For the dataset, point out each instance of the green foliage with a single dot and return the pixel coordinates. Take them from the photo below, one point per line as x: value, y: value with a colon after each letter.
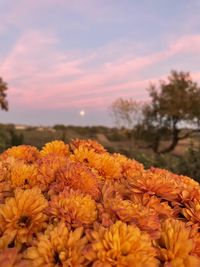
x: 189, y: 164
x: 147, y: 159
x: 4, y: 140
x: 9, y: 137
x: 16, y: 139
x: 176, y: 99
x: 59, y: 127
x: 117, y: 135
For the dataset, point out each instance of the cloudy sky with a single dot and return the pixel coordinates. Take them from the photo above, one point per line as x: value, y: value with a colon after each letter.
x: 62, y: 56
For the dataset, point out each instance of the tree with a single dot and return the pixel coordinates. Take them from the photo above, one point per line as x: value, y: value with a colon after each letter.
x: 3, y: 100
x: 3, y: 106
x: 126, y: 112
x: 174, y: 106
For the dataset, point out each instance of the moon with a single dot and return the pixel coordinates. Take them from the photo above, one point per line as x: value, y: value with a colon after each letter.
x: 82, y: 113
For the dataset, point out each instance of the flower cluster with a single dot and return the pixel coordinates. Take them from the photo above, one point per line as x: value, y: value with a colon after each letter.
x: 78, y: 205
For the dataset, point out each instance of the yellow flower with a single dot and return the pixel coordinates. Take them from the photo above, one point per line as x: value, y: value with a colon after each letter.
x: 57, y: 148
x: 88, y: 144
x: 106, y: 165
x: 79, y: 177
x: 22, y: 216
x: 121, y: 245
x: 23, y: 175
x: 175, y: 245
x: 83, y: 154
x: 73, y: 207
x: 28, y: 154
x: 58, y: 247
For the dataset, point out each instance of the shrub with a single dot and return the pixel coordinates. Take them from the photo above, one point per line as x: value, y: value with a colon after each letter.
x: 190, y: 164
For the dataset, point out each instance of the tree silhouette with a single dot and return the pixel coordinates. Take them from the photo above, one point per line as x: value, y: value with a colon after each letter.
x: 126, y: 112
x: 171, y: 115
x: 3, y: 95
x: 174, y: 106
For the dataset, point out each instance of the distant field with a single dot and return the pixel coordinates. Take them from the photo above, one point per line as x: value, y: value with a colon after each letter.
x: 115, y: 140
x: 180, y: 161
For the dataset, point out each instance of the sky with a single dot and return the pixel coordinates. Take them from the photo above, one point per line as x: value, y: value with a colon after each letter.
x: 60, y: 57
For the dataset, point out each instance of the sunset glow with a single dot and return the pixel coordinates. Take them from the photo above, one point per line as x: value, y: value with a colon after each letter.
x: 59, y: 55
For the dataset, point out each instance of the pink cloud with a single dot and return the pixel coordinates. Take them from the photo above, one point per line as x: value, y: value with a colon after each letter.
x: 185, y: 44
x: 39, y: 73
x: 21, y: 61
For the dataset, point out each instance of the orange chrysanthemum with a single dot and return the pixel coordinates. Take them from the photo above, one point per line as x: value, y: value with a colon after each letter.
x: 196, y: 248
x: 184, y: 180
x: 111, y: 188
x: 154, y: 183
x: 162, y: 208
x: 130, y: 168
x: 175, y: 245
x: 192, y: 211
x: 23, y: 175
x: 89, y: 144
x: 10, y: 257
x: 195, y: 235
x: 74, y: 208
x: 145, y: 218
x: 47, y: 169
x: 190, y: 189
x: 83, y: 154
x: 22, y: 216
x: 80, y: 177
x: 189, y: 193
x: 57, y: 148
x: 27, y: 153
x: 5, y: 169
x: 6, y: 190
x: 123, y: 214
x: 106, y: 165
x: 121, y: 245
x: 58, y: 247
